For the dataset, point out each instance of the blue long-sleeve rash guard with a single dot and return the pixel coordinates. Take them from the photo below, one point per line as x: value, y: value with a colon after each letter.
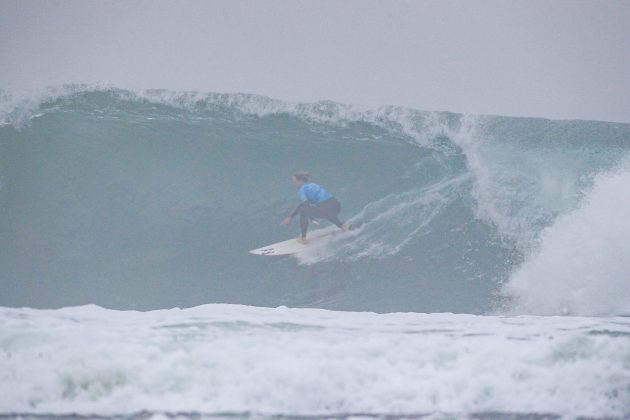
x: 311, y: 193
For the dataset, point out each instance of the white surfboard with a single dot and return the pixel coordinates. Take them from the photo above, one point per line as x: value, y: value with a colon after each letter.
x: 292, y: 246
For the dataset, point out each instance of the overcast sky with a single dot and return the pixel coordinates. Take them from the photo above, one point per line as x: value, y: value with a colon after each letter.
x: 555, y: 59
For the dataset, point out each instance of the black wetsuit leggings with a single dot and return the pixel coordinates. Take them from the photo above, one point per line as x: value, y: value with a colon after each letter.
x: 328, y: 210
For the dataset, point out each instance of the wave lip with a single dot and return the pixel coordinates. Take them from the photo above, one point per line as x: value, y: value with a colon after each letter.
x: 309, y: 362
x: 19, y: 107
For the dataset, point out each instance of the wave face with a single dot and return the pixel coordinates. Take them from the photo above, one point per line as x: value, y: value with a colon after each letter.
x: 233, y: 361
x: 152, y: 199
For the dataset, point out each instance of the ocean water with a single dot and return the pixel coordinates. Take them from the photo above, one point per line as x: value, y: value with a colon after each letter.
x: 491, y: 280
x: 239, y: 361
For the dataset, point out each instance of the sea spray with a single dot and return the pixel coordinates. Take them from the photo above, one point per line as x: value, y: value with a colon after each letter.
x: 583, y: 263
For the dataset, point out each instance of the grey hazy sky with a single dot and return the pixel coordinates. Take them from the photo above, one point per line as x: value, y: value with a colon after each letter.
x: 555, y: 59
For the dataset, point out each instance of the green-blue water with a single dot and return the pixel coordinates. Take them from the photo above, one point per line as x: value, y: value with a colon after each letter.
x: 152, y: 200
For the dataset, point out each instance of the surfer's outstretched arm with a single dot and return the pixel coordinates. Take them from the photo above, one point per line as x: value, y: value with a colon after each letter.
x: 304, y: 212
x: 297, y: 210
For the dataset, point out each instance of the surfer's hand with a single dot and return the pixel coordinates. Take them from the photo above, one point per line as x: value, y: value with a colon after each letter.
x: 286, y: 221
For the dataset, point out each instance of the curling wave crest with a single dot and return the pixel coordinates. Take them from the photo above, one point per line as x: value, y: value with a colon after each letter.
x: 107, y: 194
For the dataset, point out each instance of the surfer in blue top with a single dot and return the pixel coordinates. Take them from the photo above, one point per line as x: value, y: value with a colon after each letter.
x: 315, y: 202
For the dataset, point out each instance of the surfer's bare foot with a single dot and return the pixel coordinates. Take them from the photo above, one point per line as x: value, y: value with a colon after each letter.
x: 345, y: 227
x: 301, y: 240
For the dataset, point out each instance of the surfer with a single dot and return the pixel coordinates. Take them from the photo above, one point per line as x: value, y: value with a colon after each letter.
x: 315, y: 202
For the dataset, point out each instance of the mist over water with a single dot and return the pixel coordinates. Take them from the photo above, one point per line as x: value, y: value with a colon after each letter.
x: 152, y: 199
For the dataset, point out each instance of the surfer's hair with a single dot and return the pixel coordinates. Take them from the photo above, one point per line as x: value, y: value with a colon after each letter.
x: 302, y: 176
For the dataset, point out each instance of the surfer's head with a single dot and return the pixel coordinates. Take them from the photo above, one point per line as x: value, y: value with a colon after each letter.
x: 300, y: 178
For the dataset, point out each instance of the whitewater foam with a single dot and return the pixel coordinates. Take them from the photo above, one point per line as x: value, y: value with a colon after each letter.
x: 222, y: 359
x: 583, y: 263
